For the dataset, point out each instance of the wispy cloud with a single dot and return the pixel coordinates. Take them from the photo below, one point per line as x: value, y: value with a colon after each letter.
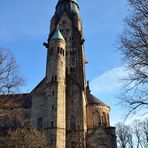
x: 108, y: 87
x: 109, y: 81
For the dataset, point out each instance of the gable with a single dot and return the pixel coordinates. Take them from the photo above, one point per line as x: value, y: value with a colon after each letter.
x: 40, y: 88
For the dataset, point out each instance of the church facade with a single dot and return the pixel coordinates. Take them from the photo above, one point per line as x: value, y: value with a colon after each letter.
x: 62, y: 104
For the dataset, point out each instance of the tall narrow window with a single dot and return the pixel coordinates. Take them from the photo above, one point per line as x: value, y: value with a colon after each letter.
x: 51, y: 141
x: 72, y: 122
x: 61, y: 50
x: 52, y: 79
x: 108, y: 118
x: 58, y: 49
x: 51, y: 123
x: 53, y: 93
x: 104, y: 119
x: 52, y: 108
x: 40, y: 123
x: 96, y: 119
x: 72, y: 145
x: 55, y: 78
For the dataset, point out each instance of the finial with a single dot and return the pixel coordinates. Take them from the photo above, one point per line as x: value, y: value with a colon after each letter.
x: 87, y: 83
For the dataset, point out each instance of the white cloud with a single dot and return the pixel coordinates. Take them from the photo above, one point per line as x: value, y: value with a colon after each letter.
x: 109, y: 81
x: 108, y: 86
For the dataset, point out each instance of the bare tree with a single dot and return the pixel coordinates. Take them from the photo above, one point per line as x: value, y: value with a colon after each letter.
x: 21, y: 138
x: 140, y: 129
x: 145, y: 129
x: 133, y: 45
x: 10, y: 80
x: 11, y: 109
x: 123, y: 135
x: 137, y: 132
x: 134, y: 135
x: 130, y: 137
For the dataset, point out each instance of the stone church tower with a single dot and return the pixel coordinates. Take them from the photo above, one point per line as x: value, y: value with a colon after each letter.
x: 62, y: 104
x: 60, y: 99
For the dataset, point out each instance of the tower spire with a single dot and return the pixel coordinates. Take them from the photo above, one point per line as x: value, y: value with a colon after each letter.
x: 57, y: 34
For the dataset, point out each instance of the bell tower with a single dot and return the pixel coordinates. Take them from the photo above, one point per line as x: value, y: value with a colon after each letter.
x: 67, y: 19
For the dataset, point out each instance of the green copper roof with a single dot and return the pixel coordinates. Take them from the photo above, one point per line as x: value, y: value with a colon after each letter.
x: 57, y: 35
x: 74, y: 1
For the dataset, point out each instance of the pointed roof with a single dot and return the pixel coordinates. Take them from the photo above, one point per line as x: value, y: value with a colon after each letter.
x: 57, y: 35
x: 93, y: 100
x: 69, y: 0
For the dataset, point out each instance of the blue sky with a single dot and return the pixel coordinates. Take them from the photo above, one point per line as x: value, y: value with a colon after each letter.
x: 25, y: 26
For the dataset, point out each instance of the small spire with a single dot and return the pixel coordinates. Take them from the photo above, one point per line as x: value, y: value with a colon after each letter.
x: 87, y: 87
x: 57, y: 34
x: 88, y: 83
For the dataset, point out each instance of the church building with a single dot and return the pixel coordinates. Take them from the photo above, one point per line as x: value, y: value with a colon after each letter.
x: 62, y: 104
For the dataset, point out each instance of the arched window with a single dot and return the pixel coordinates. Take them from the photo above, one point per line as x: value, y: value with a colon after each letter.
x: 103, y: 119
x: 52, y: 124
x: 72, y: 122
x: 96, y: 119
x: 61, y: 50
x: 108, y: 119
x: 72, y: 144
x: 40, y: 123
x: 58, y: 49
x: 52, y: 108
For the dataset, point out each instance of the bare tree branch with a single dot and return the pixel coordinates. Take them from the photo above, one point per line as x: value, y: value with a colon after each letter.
x: 133, y: 45
x: 10, y: 80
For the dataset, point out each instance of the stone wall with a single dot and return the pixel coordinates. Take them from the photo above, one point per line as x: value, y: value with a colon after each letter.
x: 101, y: 137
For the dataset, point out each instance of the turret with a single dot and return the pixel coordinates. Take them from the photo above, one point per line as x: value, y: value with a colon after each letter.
x: 55, y: 69
x: 55, y: 93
